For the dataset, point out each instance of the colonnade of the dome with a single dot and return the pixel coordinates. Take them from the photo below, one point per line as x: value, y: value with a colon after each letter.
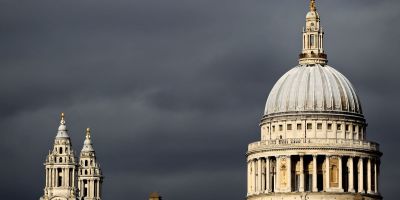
x: 312, y: 173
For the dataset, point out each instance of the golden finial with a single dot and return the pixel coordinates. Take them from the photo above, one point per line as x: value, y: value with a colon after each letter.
x: 88, y: 133
x: 312, y: 6
x: 62, y: 118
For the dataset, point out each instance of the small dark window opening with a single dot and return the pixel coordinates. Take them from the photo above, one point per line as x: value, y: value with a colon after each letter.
x: 309, y: 126
x: 298, y: 126
x: 329, y: 126
x: 289, y: 127
x: 347, y: 127
x: 280, y: 127
x: 319, y: 126
x: 59, y: 174
x: 339, y: 127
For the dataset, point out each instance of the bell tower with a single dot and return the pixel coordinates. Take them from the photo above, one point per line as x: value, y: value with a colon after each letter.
x: 90, y: 178
x: 60, y: 168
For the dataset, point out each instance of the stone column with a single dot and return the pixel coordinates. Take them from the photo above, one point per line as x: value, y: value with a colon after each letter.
x: 66, y: 177
x: 73, y: 176
x: 263, y: 174
x: 340, y: 173
x: 253, y: 177
x: 67, y: 181
x: 92, y: 188
x: 376, y: 177
x: 51, y: 177
x: 301, y: 188
x: 351, y: 174
x: 80, y: 188
x: 369, y: 177
x: 62, y: 177
x: 327, y: 171
x: 98, y: 189
x: 47, y: 177
x: 248, y: 177
x: 56, y: 181
x: 314, y: 174
x: 259, y: 173
x: 267, y: 175
x: 360, y: 175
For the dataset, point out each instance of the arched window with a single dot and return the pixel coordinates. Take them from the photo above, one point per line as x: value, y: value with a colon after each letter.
x: 86, y: 163
x: 61, y: 150
x: 60, y: 160
x: 312, y: 41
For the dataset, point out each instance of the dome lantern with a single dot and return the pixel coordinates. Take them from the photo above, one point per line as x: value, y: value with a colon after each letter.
x: 313, y: 39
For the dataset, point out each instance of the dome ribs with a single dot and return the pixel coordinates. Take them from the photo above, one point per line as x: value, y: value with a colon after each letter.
x: 313, y: 88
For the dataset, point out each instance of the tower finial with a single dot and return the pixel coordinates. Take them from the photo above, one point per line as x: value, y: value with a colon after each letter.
x: 62, y: 118
x: 87, y: 133
x: 312, y: 6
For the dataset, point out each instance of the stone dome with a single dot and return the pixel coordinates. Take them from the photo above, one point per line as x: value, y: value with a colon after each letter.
x: 313, y: 88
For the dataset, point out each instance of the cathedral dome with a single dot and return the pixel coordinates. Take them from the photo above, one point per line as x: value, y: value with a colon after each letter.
x: 313, y: 89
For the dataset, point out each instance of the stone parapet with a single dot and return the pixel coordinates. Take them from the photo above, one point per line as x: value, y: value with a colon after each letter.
x: 313, y: 143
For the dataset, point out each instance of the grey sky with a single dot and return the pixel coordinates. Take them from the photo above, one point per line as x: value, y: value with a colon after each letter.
x: 174, y: 90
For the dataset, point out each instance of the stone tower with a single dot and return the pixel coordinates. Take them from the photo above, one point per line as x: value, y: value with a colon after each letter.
x: 60, y: 168
x: 90, y: 178
x: 313, y: 134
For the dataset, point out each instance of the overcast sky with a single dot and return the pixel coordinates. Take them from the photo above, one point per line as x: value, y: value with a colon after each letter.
x: 174, y: 89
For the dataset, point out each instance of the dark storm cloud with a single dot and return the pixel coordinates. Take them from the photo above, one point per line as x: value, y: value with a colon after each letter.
x: 174, y: 90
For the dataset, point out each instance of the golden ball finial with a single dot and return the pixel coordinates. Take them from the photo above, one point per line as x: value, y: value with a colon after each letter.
x: 312, y: 6
x: 62, y: 121
x: 87, y: 132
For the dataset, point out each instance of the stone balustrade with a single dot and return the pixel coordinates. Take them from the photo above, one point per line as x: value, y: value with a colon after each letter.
x: 313, y: 142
